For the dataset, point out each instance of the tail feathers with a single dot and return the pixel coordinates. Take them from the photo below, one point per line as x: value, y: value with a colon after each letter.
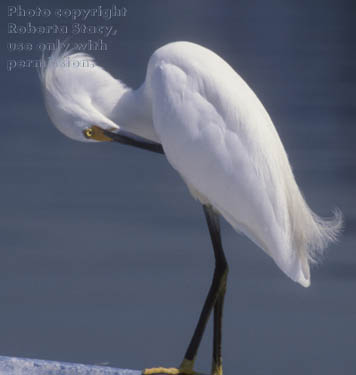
x: 314, y: 235
x: 318, y: 234
x: 307, y: 245
x: 309, y: 234
x: 326, y: 231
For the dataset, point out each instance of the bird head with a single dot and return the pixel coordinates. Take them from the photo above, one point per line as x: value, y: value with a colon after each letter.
x: 74, y: 88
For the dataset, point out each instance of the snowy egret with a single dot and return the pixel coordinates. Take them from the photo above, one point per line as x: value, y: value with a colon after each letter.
x: 198, y: 112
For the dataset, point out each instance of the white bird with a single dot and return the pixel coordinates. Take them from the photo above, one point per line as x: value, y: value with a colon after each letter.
x: 214, y: 131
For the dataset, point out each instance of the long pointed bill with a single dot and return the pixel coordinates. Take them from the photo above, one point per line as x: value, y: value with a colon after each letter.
x: 99, y: 134
x: 134, y: 140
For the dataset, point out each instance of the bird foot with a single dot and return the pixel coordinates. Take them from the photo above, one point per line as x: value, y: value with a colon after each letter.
x: 186, y: 368
x: 166, y: 371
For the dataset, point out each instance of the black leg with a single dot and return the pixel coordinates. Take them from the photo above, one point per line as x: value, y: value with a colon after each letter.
x: 218, y: 314
x: 215, y: 298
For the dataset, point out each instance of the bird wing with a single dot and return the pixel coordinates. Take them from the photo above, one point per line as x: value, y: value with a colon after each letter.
x: 217, y: 135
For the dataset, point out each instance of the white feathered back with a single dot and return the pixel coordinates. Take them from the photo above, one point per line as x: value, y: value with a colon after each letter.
x: 219, y: 137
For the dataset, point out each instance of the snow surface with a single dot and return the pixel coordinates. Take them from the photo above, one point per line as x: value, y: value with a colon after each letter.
x: 24, y: 366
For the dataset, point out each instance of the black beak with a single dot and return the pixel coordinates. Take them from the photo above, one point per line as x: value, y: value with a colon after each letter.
x: 134, y: 140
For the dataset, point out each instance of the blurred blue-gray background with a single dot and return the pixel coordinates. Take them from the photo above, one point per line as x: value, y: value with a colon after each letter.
x: 104, y: 255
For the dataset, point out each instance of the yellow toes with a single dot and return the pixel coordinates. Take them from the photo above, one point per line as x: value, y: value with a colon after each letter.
x: 161, y: 370
x: 169, y: 371
x: 186, y: 368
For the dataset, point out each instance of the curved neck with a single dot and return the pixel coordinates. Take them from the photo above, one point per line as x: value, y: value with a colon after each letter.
x: 133, y: 113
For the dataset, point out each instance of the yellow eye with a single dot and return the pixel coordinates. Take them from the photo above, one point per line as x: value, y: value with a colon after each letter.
x: 88, y: 132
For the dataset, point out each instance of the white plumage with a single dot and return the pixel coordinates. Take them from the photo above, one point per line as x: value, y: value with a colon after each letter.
x: 215, y: 133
